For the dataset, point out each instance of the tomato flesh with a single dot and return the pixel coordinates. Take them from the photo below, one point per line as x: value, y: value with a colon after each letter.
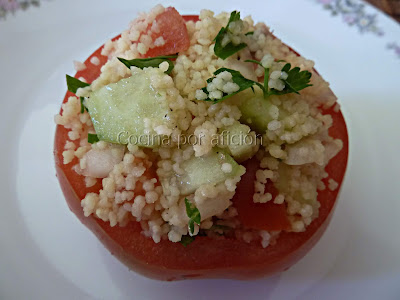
x: 263, y: 216
x: 205, y: 257
x: 173, y: 30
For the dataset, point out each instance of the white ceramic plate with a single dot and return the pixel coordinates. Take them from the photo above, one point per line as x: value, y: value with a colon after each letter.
x: 45, y: 253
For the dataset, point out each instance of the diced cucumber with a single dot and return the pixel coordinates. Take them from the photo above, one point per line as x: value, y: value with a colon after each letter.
x: 256, y: 111
x: 207, y: 170
x: 118, y: 110
x: 242, y: 144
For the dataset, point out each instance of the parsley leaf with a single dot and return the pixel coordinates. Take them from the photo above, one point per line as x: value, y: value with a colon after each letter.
x: 237, y: 78
x: 194, y: 215
x: 187, y: 240
x: 74, y: 84
x: 83, y: 107
x: 230, y: 48
x: 296, y: 80
x: 92, y: 138
x: 149, y: 62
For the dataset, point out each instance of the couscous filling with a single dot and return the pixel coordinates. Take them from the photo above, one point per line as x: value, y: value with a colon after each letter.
x: 168, y: 136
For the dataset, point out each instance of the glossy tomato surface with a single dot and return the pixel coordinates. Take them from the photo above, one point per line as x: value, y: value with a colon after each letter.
x: 205, y: 257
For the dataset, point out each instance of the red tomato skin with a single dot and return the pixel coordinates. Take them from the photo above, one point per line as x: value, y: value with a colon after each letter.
x: 205, y: 257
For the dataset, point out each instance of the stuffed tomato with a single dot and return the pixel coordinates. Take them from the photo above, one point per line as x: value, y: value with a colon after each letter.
x: 201, y: 147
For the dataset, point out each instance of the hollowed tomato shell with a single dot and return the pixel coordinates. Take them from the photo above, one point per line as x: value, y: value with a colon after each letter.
x: 205, y: 257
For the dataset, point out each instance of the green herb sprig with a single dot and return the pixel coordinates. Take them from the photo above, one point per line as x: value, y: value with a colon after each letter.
x: 83, y: 107
x: 74, y: 84
x: 187, y: 240
x: 194, y: 215
x: 149, y: 62
x: 230, y: 48
x: 92, y: 138
x: 266, y: 76
x: 237, y: 78
x: 296, y: 81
